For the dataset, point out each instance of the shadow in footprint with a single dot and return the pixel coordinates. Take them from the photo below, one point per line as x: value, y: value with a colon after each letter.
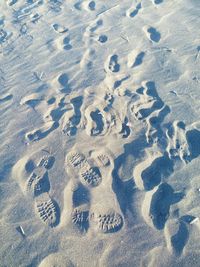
x: 64, y: 82
x: 30, y: 166
x: 161, y: 201
x: 6, y: 98
x: 125, y: 131
x: 179, y: 240
x: 80, y: 214
x: 57, y: 211
x: 47, y: 162
x: 124, y: 190
x: 156, y: 126
x: 135, y: 12
x: 43, y: 185
x: 80, y: 196
x: 193, y: 139
x: 103, y: 38
x: 160, y: 168
x: 92, y: 5
x: 77, y: 103
x: 113, y: 64
x: 66, y: 43
x: 139, y: 59
x: 154, y: 34
x: 39, y: 134
x: 157, y: 2
x: 119, y: 82
x: 151, y: 91
x: 98, y: 119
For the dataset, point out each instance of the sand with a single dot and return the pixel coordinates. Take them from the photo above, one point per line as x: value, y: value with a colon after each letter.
x: 100, y: 133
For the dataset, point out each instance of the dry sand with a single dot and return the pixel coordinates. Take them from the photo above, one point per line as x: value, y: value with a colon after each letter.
x: 100, y: 133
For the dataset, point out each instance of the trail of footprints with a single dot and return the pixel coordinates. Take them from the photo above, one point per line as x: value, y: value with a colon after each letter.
x: 149, y: 174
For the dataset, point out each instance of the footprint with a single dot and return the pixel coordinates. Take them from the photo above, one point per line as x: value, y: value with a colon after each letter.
x: 157, y: 2
x: 47, y: 210
x: 109, y: 222
x: 88, y: 59
x: 81, y: 206
x: 105, y: 211
x: 38, y: 182
x: 176, y: 236
x: 4, y: 36
x: 92, y: 5
x: 148, y: 101
x: 156, y: 205
x: 79, y: 165
x: 150, y: 172
x: 11, y: 2
x: 32, y: 100
x: 118, y: 83
x: 72, y: 119
x: 155, y: 132
x: 178, y: 146
x: 193, y: 140
x: 66, y: 43
x: 132, y: 12
x: 51, y: 118
x: 63, y: 80
x: 125, y: 131
x: 135, y: 58
x: 47, y: 161
x: 6, y: 98
x: 139, y: 59
x: 98, y: 119
x: 95, y: 121
x: 38, y: 134
x: 113, y: 65
x: 58, y: 28
x: 152, y: 34
x: 78, y: 5
x: 29, y: 169
x: 31, y: 173
x: 103, y: 38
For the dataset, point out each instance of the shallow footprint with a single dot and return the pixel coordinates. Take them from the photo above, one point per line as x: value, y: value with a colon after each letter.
x: 177, y: 142
x: 108, y: 222
x: 58, y: 28
x: 56, y: 259
x: 79, y: 165
x: 11, y: 2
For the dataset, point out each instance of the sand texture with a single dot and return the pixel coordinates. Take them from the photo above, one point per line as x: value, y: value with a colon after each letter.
x: 100, y: 133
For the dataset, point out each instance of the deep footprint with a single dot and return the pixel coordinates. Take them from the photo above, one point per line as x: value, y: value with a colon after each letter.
x: 47, y: 210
